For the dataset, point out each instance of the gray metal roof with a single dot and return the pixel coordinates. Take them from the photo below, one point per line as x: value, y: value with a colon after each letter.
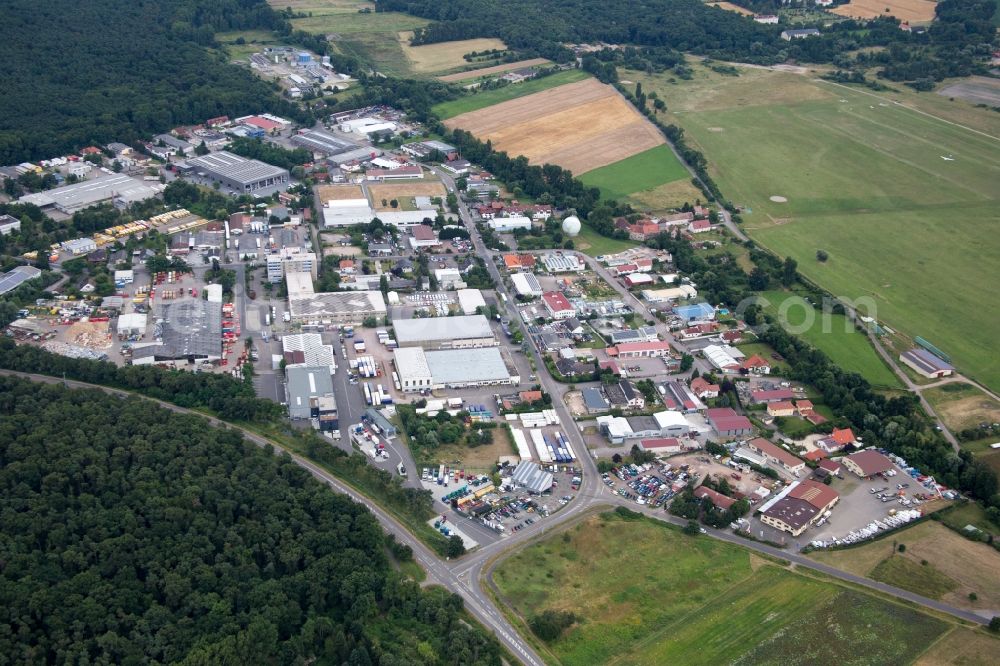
x: 304, y: 382
x: 463, y: 366
x: 229, y: 165
x: 439, y: 329
x: 190, y: 327
x: 337, y: 303
x: 90, y: 192
x: 16, y: 277
x: 323, y: 142
x: 531, y: 476
x: 593, y: 399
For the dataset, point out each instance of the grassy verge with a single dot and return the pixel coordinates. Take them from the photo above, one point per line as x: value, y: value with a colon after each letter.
x: 487, y: 98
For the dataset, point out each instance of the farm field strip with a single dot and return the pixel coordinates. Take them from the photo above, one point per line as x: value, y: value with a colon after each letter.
x: 642, y: 171
x: 487, y: 98
x: 914, y: 11
x: 444, y: 55
x: 495, y: 69
x: 864, y: 181
x: 579, y: 126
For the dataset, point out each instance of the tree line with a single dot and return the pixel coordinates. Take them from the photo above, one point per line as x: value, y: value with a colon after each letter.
x: 136, y: 535
x: 82, y: 73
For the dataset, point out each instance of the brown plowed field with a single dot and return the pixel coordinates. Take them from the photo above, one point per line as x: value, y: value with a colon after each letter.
x: 579, y: 126
x: 914, y: 11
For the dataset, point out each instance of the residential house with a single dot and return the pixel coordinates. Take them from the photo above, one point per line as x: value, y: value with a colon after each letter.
x: 837, y: 440
x: 718, y: 500
x: 625, y: 395
x: 701, y: 388
x: 773, y: 453
x: 781, y: 408
x: 756, y: 365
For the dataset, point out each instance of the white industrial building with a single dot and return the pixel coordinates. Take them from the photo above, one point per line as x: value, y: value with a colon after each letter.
x: 526, y: 284
x: 239, y: 173
x: 461, y: 332
x: 79, y: 246
x: 470, y: 300
x: 506, y: 224
x: 305, y: 306
x: 723, y: 357
x: 305, y: 386
x: 307, y: 349
x: 669, y: 294
x: 451, y: 368
x: 558, y: 262
x: 347, y: 212
x: 365, y: 125
x: 449, y: 278
x: 9, y: 224
x: 406, y: 218
x: 118, y: 188
x: 17, y: 276
x: 131, y: 324
x: 672, y: 424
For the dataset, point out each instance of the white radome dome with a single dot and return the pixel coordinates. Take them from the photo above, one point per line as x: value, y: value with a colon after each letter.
x: 571, y: 225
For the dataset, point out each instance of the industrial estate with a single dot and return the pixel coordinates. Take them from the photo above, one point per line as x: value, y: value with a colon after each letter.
x: 610, y: 409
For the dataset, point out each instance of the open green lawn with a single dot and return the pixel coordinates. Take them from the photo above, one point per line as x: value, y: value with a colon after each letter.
x: 833, y: 335
x: 643, y: 171
x: 481, y: 100
x: 865, y: 181
x: 592, y: 243
x: 647, y: 594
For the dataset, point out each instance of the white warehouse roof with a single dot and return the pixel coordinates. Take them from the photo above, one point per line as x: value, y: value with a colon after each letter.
x: 470, y: 299
x: 441, y: 328
x: 467, y: 366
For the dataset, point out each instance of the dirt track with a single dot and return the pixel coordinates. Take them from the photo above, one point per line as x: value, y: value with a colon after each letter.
x: 579, y: 126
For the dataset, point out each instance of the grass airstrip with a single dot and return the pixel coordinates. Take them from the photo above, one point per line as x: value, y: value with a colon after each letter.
x: 904, y: 200
x: 647, y: 594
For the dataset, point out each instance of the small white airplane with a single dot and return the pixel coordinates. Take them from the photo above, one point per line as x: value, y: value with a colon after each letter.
x: 949, y: 158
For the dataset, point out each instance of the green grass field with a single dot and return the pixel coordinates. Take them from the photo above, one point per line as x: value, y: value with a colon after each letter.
x: 647, y: 594
x: 865, y: 181
x: 643, y: 171
x: 909, y: 575
x: 476, y: 101
x: 833, y: 335
x: 592, y: 243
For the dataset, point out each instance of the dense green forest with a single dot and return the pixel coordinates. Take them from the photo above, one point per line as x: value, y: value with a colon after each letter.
x: 77, y: 73
x: 132, y: 535
x: 957, y: 44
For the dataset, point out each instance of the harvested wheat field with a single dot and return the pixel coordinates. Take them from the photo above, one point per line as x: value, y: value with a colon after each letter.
x: 730, y: 7
x: 914, y: 11
x: 579, y: 126
x: 444, y: 55
x: 496, y: 69
x: 339, y: 192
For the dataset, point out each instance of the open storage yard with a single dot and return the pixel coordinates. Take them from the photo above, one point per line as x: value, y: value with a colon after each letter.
x: 898, y: 197
x: 955, y: 566
x: 495, y: 69
x: 914, y: 11
x: 647, y: 594
x: 443, y: 55
x: 579, y: 126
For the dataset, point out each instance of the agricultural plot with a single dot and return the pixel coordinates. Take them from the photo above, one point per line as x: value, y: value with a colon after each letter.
x: 643, y: 171
x: 914, y: 11
x: 730, y: 7
x: 487, y: 98
x: 580, y: 126
x: 962, y: 647
x: 371, y: 36
x: 445, y: 55
x: 955, y: 566
x: 962, y: 406
x: 898, y: 199
x: 489, y: 71
x: 708, y: 602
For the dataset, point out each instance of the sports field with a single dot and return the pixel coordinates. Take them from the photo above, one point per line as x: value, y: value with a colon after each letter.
x: 914, y: 11
x: 580, y: 126
x: 495, y: 69
x: 647, y: 594
x: 444, y: 55
x: 832, y: 334
x: 903, y: 203
x: 481, y: 100
x: 955, y: 566
x: 643, y: 171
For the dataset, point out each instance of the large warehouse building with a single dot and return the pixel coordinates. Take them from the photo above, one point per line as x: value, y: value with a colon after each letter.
x: 334, y: 308
x: 464, y: 332
x: 451, y: 368
x: 119, y: 188
x: 188, y: 331
x: 239, y: 173
x: 320, y: 141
